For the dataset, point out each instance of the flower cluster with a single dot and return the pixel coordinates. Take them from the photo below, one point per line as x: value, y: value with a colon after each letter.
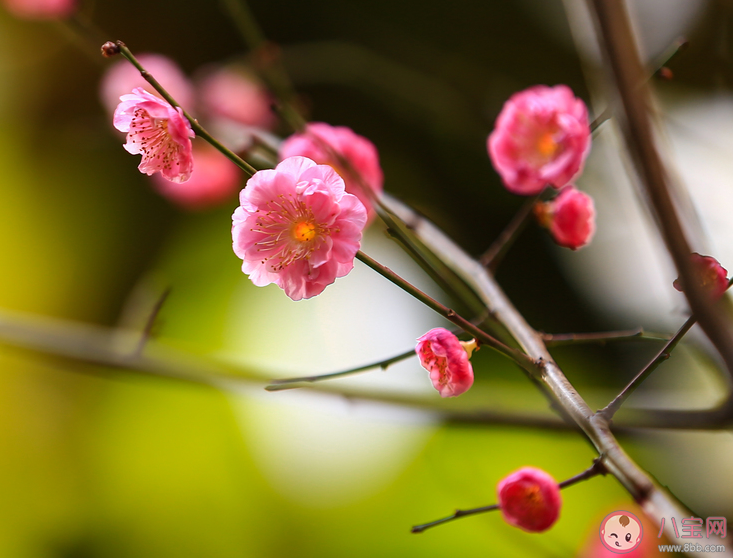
x: 235, y: 103
x: 297, y: 227
x: 325, y: 144
x: 541, y: 138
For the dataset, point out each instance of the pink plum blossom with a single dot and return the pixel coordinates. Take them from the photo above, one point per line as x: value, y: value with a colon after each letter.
x: 570, y: 217
x: 214, y: 179
x: 541, y: 137
x: 319, y: 141
x: 529, y: 499
x: 297, y: 227
x: 446, y: 358
x: 159, y: 132
x: 711, y: 276
x: 233, y: 93
x: 123, y: 77
x: 40, y: 9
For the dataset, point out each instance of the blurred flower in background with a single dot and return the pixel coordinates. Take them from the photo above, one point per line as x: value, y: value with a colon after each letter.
x: 214, y: 180
x: 40, y: 9
x: 122, y: 77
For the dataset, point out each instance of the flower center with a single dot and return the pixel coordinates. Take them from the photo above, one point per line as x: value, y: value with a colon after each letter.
x: 533, y: 496
x: 305, y: 231
x: 158, y: 148
x: 290, y: 232
x: 546, y: 145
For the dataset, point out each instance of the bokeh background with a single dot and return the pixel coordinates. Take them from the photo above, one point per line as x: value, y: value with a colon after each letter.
x: 102, y: 462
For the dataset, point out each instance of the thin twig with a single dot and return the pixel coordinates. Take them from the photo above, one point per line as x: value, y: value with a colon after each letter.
x: 596, y: 469
x: 291, y: 383
x: 609, y: 410
x: 280, y: 384
x: 494, y: 254
x: 456, y: 515
x: 481, y: 336
x: 661, y: 62
x: 556, y: 339
x: 200, y: 131
x: 592, y: 471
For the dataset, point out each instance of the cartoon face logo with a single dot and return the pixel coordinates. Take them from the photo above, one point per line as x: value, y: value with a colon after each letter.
x: 621, y: 532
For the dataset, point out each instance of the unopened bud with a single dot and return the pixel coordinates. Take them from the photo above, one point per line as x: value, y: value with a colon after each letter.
x: 110, y: 49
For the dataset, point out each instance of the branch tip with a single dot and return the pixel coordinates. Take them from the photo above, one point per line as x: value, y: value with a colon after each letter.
x: 110, y: 49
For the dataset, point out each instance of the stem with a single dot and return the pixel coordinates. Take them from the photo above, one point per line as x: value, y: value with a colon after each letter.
x: 200, y: 131
x: 595, y: 469
x: 291, y: 383
x: 484, y: 338
x: 493, y: 256
x: 458, y: 514
x: 555, y: 339
x: 609, y: 410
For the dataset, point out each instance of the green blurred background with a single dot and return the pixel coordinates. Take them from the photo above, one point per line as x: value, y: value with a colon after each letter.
x: 107, y: 463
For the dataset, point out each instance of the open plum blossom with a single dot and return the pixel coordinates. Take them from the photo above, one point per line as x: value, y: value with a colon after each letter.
x: 159, y: 132
x: 711, y: 276
x: 570, y: 217
x: 446, y: 358
x: 297, y: 227
x: 541, y: 137
x: 358, y: 151
x: 529, y: 499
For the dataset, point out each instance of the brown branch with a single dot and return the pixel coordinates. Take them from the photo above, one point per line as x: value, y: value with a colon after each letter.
x: 492, y: 257
x: 555, y: 339
x: 629, y: 75
x: 609, y: 410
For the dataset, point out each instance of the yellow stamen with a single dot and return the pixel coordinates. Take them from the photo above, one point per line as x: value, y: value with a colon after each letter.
x: 547, y: 145
x: 304, y: 231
